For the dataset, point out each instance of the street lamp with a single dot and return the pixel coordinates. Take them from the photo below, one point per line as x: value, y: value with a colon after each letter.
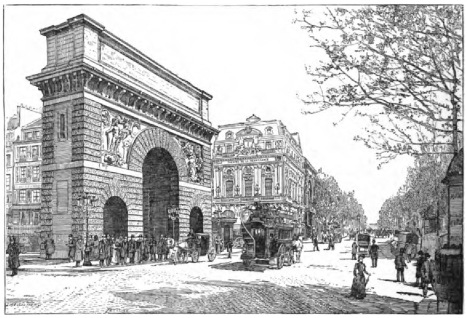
x: 85, y: 201
x: 173, y: 215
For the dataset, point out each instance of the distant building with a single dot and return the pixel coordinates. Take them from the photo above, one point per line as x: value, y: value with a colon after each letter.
x: 260, y: 161
x: 23, y: 176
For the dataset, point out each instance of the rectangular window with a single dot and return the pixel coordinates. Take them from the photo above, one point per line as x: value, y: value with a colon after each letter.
x: 229, y: 148
x: 22, y: 174
x: 37, y: 135
x: 29, y: 135
x: 36, y: 196
x: 22, y: 196
x: 248, y: 188
x: 8, y: 160
x: 268, y: 186
x: 15, y: 216
x: 36, y: 170
x: 8, y: 181
x: 62, y: 196
x: 62, y: 126
x: 268, y: 145
x: 229, y: 188
x: 35, y: 152
x: 36, y: 218
x: 22, y: 153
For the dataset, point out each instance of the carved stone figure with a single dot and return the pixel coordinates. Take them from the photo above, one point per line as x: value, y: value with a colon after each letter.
x: 118, y: 135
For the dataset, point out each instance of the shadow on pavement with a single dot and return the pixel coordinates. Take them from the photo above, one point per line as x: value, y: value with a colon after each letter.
x: 238, y: 266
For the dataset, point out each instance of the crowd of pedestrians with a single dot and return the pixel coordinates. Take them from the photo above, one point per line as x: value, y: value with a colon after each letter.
x: 118, y: 250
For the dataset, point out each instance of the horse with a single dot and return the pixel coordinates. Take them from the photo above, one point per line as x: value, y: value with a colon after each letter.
x: 297, y: 247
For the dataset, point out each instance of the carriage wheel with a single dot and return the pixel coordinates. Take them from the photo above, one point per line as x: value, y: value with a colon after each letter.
x: 211, y: 255
x: 195, y: 256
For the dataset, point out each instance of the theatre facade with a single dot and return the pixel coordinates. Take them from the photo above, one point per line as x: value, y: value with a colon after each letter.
x: 121, y: 128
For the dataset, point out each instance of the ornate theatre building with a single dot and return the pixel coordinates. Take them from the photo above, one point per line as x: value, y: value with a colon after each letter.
x: 124, y: 130
x: 260, y: 161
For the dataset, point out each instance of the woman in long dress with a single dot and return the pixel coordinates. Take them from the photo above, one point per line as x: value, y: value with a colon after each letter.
x: 359, y: 280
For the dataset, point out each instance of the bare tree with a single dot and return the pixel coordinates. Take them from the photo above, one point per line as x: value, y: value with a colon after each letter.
x: 399, y: 67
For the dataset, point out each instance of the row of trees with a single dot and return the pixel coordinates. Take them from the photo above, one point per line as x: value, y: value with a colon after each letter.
x: 335, y: 207
x: 399, y: 70
x: 422, y: 197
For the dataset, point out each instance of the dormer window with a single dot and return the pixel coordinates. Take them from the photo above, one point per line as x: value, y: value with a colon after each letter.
x: 268, y: 130
x: 229, y: 135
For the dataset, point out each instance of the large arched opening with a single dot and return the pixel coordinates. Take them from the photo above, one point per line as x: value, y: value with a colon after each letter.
x: 196, y: 220
x: 115, y: 217
x: 160, y: 193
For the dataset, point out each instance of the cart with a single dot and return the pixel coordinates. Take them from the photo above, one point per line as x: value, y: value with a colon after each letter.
x: 363, y: 243
x: 200, y: 245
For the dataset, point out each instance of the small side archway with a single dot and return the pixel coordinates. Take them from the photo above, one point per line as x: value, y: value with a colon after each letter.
x: 115, y: 217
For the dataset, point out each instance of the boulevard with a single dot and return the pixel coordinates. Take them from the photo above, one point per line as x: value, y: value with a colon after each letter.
x: 320, y: 284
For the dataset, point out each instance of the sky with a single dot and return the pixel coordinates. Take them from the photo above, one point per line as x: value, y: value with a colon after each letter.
x: 251, y: 59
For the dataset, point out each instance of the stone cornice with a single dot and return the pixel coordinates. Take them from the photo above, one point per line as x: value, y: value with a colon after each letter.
x: 129, y: 50
x: 85, y: 79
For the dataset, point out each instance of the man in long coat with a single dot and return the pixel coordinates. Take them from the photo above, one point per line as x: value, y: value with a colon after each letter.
x: 79, y: 248
x: 427, y: 274
x: 108, y: 250
x: 102, y: 251
x: 160, y: 248
x: 49, y: 247
x: 152, y: 248
x: 124, y: 251
x: 13, y: 252
x: 71, y: 247
x: 132, y: 249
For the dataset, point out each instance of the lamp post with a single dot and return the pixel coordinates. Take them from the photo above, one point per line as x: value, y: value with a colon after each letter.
x: 173, y: 215
x: 84, y: 201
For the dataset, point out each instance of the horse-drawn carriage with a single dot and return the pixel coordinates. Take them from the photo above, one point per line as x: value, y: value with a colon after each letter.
x: 199, y: 245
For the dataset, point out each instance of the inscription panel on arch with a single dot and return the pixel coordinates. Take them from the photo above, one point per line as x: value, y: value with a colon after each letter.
x: 127, y: 66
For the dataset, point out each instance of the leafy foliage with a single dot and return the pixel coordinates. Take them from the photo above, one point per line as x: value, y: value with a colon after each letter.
x: 397, y: 67
x: 421, y: 197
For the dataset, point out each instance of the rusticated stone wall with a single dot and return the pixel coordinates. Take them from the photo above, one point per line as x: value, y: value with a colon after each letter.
x: 86, y: 130
x: 105, y: 184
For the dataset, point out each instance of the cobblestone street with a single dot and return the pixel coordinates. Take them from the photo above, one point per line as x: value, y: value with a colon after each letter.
x: 320, y: 284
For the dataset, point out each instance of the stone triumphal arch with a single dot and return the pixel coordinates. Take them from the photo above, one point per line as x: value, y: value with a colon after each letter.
x: 119, y: 126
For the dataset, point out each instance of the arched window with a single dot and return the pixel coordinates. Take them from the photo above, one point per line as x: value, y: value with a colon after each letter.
x: 268, y: 130
x: 248, y: 187
x: 229, y: 188
x: 229, y: 135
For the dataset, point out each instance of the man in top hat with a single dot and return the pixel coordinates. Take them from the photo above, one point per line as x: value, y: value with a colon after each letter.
x: 132, y: 249
x: 427, y: 274
x: 374, y: 248
x: 418, y: 273
x: 400, y: 266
